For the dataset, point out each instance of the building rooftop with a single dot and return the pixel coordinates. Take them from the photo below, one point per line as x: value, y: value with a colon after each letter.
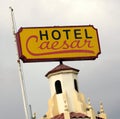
x: 99, y: 118
x: 72, y: 115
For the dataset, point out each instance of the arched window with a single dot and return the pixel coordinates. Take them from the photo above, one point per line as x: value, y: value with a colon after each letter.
x: 58, y: 87
x: 75, y: 85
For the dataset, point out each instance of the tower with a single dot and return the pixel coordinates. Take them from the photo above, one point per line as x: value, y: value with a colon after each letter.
x: 66, y: 101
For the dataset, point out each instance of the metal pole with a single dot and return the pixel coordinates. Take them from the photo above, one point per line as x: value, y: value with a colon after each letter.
x: 22, y: 83
x: 31, y: 115
x: 23, y: 90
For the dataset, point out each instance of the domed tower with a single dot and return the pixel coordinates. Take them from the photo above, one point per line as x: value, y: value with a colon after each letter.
x: 66, y: 101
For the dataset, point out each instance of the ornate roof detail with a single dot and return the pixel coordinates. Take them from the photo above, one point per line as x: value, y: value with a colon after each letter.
x: 72, y: 115
x: 61, y: 67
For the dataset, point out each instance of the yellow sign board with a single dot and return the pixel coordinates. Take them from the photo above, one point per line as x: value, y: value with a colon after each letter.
x: 58, y: 43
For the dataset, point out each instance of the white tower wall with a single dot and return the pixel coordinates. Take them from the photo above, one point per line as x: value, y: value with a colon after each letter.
x: 67, y: 84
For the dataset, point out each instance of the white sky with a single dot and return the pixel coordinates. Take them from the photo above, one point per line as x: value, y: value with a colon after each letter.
x: 98, y: 79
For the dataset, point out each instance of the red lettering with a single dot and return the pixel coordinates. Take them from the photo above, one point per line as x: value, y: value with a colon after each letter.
x: 57, y: 47
x: 89, y: 43
x: 75, y: 44
x: 45, y: 45
x: 65, y: 45
x: 27, y: 43
x: 54, y: 45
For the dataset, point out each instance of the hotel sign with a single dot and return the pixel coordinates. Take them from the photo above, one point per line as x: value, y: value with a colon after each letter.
x: 57, y: 43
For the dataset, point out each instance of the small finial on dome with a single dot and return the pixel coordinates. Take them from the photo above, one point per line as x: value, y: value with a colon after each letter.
x: 89, y: 101
x: 61, y: 62
x: 101, y: 107
x: 89, y: 104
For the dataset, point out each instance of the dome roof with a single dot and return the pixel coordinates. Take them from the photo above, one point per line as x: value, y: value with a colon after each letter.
x: 61, y: 67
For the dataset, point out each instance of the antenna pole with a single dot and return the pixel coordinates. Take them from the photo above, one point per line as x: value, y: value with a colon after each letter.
x: 22, y: 83
x: 13, y: 21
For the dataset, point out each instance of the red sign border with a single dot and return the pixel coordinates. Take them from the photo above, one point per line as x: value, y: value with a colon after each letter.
x: 25, y: 60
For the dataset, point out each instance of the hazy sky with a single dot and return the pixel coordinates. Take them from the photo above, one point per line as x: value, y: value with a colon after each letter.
x: 98, y: 79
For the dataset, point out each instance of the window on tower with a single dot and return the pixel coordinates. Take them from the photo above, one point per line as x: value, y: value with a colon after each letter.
x: 75, y: 84
x: 58, y: 87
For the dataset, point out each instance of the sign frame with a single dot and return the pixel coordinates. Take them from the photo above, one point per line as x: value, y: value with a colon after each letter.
x: 27, y: 60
